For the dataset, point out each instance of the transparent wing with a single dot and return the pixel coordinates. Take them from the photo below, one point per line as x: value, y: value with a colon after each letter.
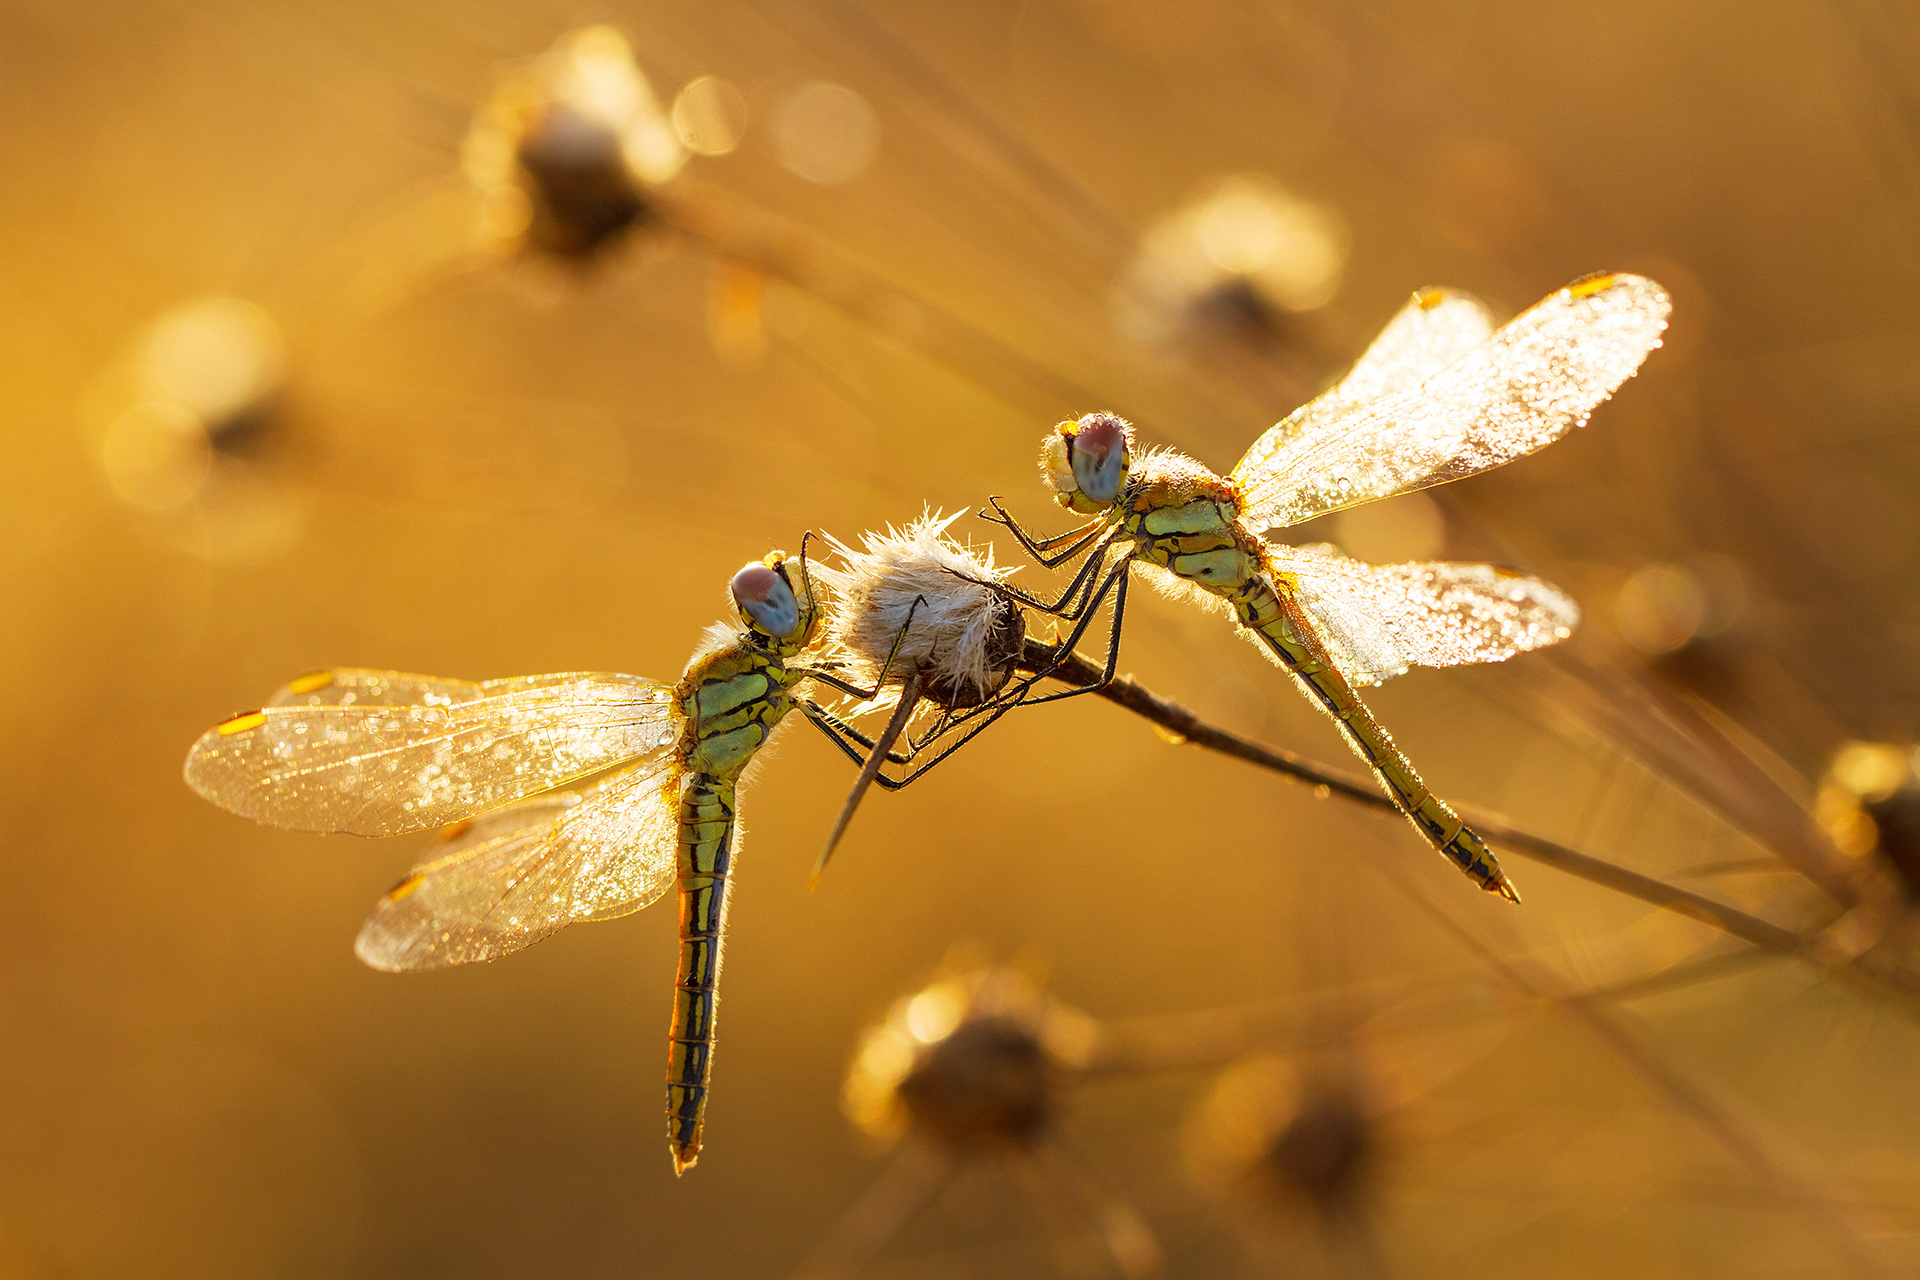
x: 348, y: 686
x: 1379, y: 619
x: 1435, y: 328
x: 377, y: 753
x: 1529, y: 384
x: 509, y: 878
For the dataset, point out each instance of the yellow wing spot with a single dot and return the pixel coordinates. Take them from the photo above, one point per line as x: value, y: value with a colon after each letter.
x: 454, y: 830
x: 311, y: 682
x: 1592, y: 285
x: 240, y: 724
x: 406, y: 887
x: 1428, y: 299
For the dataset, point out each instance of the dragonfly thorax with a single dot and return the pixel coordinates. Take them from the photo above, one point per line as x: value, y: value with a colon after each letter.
x: 732, y: 698
x: 1190, y: 528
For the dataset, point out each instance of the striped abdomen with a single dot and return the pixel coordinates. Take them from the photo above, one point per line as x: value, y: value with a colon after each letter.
x: 706, y: 852
x: 1269, y: 610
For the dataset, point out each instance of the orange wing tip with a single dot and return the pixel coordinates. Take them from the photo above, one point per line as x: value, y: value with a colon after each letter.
x: 1428, y: 299
x: 1590, y: 285
x: 405, y: 888
x: 241, y: 723
x: 454, y: 830
x: 312, y: 682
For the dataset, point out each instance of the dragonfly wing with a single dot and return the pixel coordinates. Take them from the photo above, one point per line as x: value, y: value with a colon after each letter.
x: 348, y: 686
x: 509, y: 878
x: 1529, y: 384
x: 1435, y: 328
x: 408, y: 753
x: 1379, y: 619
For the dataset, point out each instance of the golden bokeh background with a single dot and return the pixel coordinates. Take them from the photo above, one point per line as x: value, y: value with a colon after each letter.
x: 908, y: 239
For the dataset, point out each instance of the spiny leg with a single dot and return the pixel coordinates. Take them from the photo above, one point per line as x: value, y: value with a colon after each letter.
x: 1063, y: 608
x: 820, y: 718
x: 867, y: 695
x: 1115, y: 582
x: 844, y: 736
x: 1039, y: 548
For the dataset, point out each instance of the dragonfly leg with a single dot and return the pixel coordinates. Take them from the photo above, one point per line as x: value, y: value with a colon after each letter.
x: 1115, y: 582
x: 1064, y: 608
x: 1000, y: 707
x: 941, y: 724
x: 844, y: 737
x: 867, y: 695
x: 1041, y: 548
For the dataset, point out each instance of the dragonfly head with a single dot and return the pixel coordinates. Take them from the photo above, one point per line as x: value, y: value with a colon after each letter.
x: 1086, y: 462
x: 775, y: 611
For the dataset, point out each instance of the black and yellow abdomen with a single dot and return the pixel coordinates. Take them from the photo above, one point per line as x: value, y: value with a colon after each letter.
x: 1266, y: 606
x: 733, y: 701
x: 705, y: 862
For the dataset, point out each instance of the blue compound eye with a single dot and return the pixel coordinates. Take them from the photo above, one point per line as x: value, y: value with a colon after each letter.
x: 766, y: 601
x: 1099, y: 453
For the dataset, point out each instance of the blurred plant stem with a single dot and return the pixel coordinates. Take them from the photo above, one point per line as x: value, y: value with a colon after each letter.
x: 1793, y: 1178
x: 1177, y: 720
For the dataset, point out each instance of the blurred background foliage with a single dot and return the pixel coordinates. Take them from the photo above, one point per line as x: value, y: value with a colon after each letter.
x: 428, y: 336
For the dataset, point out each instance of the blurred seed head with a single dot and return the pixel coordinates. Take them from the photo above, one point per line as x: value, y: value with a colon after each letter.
x: 976, y: 1060
x: 219, y: 359
x: 180, y: 425
x: 965, y: 637
x: 1281, y: 1140
x: 826, y: 133
x: 1664, y: 607
x: 1869, y: 803
x: 1244, y: 252
x: 565, y: 150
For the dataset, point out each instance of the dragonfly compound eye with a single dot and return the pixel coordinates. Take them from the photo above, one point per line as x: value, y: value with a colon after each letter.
x: 1099, y: 456
x: 766, y: 601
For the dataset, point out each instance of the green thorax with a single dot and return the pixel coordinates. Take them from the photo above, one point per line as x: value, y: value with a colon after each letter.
x: 732, y: 699
x: 1195, y: 535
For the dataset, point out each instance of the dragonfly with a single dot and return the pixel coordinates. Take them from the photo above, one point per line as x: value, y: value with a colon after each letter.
x: 1440, y: 395
x: 377, y: 753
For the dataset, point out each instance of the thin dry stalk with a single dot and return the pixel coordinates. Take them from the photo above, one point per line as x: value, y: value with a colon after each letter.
x: 1790, y: 1177
x: 903, y: 712
x: 1688, y: 747
x: 1171, y: 716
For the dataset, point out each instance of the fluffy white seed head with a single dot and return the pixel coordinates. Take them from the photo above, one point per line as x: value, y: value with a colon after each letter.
x: 963, y: 639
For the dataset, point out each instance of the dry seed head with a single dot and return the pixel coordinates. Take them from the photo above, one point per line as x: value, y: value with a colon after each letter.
x: 1869, y: 803
x: 1282, y: 1138
x: 565, y: 150
x: 964, y: 639
x: 973, y: 1060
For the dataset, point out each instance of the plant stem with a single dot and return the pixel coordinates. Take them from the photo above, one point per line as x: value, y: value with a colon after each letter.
x: 1178, y: 720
